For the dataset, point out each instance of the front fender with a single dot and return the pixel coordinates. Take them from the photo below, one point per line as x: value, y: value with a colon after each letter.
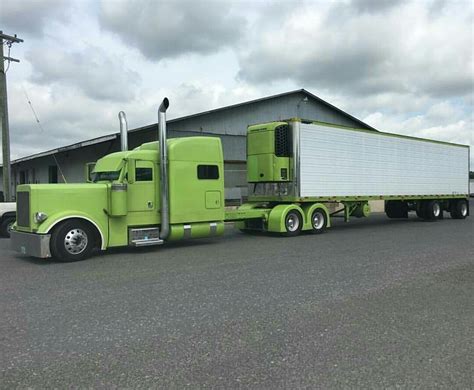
x: 53, y: 220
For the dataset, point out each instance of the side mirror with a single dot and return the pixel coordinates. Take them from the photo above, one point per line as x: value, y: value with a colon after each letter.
x: 89, y: 168
x: 131, y: 165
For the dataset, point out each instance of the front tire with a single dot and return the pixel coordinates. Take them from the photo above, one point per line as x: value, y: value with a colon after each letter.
x: 72, y: 240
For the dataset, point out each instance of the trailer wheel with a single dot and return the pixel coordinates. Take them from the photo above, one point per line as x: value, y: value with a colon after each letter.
x: 459, y: 209
x: 72, y: 240
x: 293, y: 223
x: 6, y: 226
x: 396, y: 209
x: 421, y: 209
x: 318, y: 221
x: 433, y: 210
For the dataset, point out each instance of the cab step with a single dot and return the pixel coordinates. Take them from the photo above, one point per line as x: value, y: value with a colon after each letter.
x: 144, y: 236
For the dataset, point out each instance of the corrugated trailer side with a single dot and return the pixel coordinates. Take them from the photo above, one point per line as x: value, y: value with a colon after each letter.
x: 343, y: 162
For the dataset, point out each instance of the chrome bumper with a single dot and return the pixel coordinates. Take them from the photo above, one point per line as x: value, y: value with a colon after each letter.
x: 31, y: 244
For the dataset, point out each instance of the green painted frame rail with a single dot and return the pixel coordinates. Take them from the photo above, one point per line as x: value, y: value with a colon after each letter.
x: 340, y: 199
x: 242, y: 215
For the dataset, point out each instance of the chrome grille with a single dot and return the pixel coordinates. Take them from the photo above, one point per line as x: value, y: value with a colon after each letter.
x: 23, y: 209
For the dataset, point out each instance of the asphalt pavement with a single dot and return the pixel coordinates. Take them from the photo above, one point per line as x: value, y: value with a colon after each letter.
x: 374, y: 303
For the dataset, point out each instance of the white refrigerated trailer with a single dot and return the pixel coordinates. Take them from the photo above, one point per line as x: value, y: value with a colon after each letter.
x: 343, y: 162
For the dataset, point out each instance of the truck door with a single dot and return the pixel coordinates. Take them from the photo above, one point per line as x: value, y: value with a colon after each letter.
x: 142, y: 193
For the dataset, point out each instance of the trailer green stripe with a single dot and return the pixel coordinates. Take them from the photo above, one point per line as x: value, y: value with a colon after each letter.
x: 351, y: 198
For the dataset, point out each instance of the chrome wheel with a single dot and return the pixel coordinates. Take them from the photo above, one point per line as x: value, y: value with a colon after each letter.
x: 292, y: 222
x: 463, y: 210
x: 436, y: 209
x: 10, y: 227
x: 318, y: 220
x: 75, y: 241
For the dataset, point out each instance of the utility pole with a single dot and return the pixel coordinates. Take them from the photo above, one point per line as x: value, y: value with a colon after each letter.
x: 7, y: 40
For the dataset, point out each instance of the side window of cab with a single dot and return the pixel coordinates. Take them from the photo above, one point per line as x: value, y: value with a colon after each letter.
x: 144, y: 171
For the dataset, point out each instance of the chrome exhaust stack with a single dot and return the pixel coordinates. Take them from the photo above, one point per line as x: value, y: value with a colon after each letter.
x: 123, y: 131
x: 165, y: 211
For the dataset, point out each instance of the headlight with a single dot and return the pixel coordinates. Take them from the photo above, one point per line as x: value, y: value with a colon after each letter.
x: 40, y: 217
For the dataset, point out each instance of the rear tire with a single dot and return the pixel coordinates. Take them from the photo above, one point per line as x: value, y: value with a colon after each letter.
x: 293, y: 223
x: 319, y: 221
x: 396, y: 209
x: 433, y: 210
x: 72, y: 240
x: 421, y: 209
x: 459, y: 209
x: 6, y: 226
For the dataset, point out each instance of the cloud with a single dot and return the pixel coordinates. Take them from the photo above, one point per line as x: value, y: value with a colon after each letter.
x: 169, y: 29
x: 193, y: 97
x: 403, y: 49
x: 99, y: 75
x: 65, y: 118
x: 401, y: 66
x: 443, y: 121
x: 70, y: 116
x: 30, y: 16
x: 374, y: 6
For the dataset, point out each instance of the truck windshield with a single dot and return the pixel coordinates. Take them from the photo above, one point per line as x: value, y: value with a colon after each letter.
x: 105, y: 176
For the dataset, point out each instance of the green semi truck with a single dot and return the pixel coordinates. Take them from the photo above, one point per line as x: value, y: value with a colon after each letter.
x: 300, y: 174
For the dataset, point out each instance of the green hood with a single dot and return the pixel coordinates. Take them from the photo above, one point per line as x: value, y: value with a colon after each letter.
x: 89, y: 201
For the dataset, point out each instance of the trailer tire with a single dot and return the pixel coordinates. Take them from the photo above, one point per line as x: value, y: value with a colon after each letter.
x: 293, y: 223
x: 6, y: 226
x: 433, y: 210
x: 459, y: 209
x: 72, y: 240
x: 421, y: 209
x: 396, y: 209
x: 319, y: 221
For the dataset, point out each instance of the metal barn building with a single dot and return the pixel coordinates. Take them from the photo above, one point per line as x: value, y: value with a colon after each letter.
x: 229, y: 123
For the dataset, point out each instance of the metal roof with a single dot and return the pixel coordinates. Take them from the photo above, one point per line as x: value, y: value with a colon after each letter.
x: 248, y: 102
x: 209, y: 112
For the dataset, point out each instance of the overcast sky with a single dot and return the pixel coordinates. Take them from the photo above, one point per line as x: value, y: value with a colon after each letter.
x: 401, y: 66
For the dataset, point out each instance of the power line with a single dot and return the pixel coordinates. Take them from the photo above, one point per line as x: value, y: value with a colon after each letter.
x: 42, y: 129
x: 32, y: 109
